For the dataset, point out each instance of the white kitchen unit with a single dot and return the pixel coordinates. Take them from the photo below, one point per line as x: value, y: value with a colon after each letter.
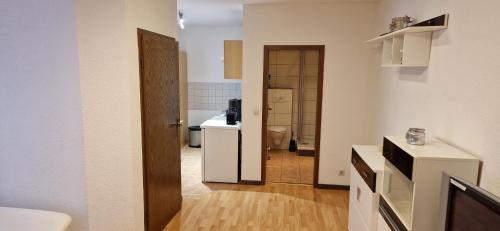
x: 367, y: 166
x: 220, y: 150
x: 411, y: 194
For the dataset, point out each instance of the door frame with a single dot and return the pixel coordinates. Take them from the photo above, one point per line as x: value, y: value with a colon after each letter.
x: 319, y: 100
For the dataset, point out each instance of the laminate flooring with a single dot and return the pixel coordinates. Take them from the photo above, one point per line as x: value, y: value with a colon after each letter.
x: 273, y: 206
x: 287, y: 167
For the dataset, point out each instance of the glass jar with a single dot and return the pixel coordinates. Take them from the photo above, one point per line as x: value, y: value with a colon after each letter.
x: 415, y: 136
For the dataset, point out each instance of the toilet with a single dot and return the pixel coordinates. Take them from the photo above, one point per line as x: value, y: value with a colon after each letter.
x: 276, y: 135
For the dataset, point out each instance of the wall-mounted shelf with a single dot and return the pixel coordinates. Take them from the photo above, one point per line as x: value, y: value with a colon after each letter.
x: 411, y: 46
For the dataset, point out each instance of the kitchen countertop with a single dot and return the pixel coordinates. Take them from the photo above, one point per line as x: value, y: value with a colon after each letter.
x: 219, y: 122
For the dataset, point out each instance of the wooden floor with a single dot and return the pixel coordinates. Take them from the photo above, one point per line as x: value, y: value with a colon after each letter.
x: 287, y: 167
x: 274, y: 206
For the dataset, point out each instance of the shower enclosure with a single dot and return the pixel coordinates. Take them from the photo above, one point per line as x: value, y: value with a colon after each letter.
x: 308, y: 88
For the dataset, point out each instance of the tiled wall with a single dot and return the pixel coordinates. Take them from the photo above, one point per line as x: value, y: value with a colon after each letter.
x: 280, y: 112
x: 284, y: 68
x: 211, y: 95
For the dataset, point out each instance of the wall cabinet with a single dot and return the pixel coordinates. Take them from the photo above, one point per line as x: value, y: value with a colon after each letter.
x: 411, y: 46
x: 410, y: 50
x: 233, y: 52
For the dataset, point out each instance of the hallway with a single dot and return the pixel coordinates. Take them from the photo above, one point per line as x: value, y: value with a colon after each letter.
x: 274, y: 206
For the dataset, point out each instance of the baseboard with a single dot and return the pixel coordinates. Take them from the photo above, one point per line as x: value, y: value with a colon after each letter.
x: 333, y: 186
x: 251, y: 182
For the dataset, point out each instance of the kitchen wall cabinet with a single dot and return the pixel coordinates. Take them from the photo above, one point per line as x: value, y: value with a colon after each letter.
x: 233, y: 53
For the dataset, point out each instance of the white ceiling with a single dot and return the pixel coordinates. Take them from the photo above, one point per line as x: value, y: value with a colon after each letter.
x: 229, y: 12
x: 212, y: 12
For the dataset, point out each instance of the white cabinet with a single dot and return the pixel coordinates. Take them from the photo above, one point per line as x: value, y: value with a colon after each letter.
x: 409, y: 50
x: 362, y: 203
x: 411, y: 46
x: 382, y: 224
x: 356, y: 222
x: 366, y: 179
x: 413, y: 175
x: 220, y: 151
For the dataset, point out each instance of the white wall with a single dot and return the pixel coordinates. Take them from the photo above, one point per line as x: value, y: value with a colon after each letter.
x: 342, y: 27
x: 107, y: 40
x: 41, y: 141
x: 456, y: 98
x: 205, y: 48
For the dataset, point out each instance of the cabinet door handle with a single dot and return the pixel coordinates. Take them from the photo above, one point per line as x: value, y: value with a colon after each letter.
x: 358, y: 193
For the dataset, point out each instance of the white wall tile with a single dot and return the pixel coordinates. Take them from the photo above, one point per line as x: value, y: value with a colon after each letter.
x: 271, y: 119
x: 312, y: 57
x: 273, y: 55
x: 212, y: 96
x: 288, y: 57
x: 285, y: 107
x: 310, y: 95
x: 283, y: 119
x: 287, y: 70
x: 310, y: 118
x: 311, y: 70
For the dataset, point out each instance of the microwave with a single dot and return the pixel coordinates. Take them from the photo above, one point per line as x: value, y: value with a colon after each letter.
x: 410, y: 195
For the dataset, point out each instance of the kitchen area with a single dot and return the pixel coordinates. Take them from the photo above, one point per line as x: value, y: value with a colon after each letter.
x: 212, y: 150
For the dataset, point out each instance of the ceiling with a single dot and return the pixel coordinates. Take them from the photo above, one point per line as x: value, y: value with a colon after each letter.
x: 212, y: 12
x: 229, y: 12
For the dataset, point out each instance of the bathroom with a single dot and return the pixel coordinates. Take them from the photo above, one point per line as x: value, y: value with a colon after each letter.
x: 293, y: 104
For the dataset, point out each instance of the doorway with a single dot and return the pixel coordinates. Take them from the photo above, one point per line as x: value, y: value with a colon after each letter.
x: 291, y: 113
x: 159, y: 88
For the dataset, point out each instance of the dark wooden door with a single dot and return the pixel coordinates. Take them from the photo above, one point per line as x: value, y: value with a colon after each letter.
x: 159, y: 73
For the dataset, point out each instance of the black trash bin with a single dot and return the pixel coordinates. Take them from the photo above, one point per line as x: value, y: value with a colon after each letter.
x: 194, y: 136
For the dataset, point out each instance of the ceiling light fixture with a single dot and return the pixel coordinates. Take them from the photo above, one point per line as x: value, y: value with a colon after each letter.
x: 181, y: 20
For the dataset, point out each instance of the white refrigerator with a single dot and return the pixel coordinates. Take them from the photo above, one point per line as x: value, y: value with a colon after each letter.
x: 220, y: 151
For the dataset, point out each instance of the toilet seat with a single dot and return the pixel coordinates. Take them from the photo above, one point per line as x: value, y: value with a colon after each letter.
x: 279, y: 129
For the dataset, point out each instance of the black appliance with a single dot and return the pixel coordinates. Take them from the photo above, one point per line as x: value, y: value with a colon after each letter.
x: 235, y: 106
x: 231, y: 117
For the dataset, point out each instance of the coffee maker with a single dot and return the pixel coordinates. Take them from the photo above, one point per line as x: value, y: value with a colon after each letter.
x: 233, y: 113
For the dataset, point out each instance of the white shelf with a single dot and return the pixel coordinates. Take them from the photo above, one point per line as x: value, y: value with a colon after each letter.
x: 406, y: 30
x: 411, y: 46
